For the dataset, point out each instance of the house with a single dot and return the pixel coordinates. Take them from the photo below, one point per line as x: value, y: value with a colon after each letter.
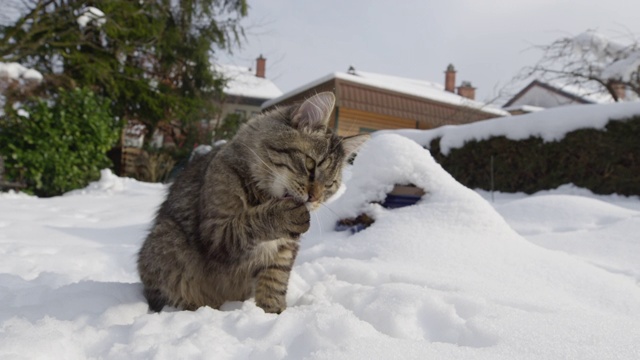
x: 244, y: 93
x: 246, y: 90
x: 366, y: 101
x: 539, y: 95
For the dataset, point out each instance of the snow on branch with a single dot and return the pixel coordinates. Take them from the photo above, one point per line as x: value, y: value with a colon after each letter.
x: 14, y: 72
x: 91, y: 14
x: 593, y: 62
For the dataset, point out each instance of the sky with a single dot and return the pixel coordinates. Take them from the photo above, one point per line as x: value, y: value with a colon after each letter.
x: 487, y: 41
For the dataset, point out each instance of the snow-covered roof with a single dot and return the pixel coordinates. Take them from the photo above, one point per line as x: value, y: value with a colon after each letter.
x: 243, y: 82
x: 591, y: 95
x: 552, y: 93
x: 415, y: 87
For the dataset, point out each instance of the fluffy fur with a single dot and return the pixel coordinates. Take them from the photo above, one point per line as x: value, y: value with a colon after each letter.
x: 230, y: 226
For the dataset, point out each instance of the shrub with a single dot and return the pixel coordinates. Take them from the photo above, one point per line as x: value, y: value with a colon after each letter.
x: 604, y: 161
x: 53, y: 146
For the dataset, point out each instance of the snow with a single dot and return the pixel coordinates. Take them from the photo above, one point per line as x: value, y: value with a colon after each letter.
x: 547, y: 276
x: 591, y: 41
x: 550, y: 124
x: 523, y: 108
x: 23, y: 113
x: 626, y: 69
x: 448, y: 277
x: 420, y: 88
x: 91, y: 14
x: 15, y: 71
x: 243, y: 82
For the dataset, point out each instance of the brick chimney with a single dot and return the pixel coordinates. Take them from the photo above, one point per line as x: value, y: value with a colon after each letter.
x: 467, y: 90
x: 619, y: 89
x: 450, y: 79
x: 261, y: 64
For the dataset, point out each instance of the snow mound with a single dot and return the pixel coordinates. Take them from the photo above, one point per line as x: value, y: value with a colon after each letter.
x: 108, y: 184
x: 558, y: 213
x: 588, y: 228
x: 12, y: 194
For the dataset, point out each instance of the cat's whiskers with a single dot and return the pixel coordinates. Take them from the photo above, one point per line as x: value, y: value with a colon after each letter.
x: 328, y: 208
x: 259, y: 158
x: 318, y: 220
x: 277, y: 177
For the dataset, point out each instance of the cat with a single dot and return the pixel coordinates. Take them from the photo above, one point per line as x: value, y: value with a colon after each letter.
x: 230, y: 226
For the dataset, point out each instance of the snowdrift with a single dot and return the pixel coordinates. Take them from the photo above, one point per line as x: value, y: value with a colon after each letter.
x: 447, y: 278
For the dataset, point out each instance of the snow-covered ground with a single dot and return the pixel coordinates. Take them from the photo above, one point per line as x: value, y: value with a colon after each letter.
x: 553, y: 275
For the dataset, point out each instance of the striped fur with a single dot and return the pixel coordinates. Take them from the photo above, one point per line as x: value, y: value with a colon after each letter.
x: 230, y: 226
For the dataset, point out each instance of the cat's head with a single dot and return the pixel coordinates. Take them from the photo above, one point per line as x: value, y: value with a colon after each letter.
x: 296, y: 155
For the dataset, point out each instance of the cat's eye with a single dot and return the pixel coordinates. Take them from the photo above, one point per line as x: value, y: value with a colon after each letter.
x: 331, y: 184
x: 309, y: 163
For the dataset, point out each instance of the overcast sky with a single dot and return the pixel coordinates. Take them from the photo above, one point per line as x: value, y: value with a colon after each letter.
x: 487, y: 41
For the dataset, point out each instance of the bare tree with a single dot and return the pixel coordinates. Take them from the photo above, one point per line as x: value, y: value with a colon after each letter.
x: 590, y: 61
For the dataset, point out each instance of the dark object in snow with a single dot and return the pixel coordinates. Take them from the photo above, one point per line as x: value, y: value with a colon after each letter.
x: 355, y: 225
x: 400, y: 196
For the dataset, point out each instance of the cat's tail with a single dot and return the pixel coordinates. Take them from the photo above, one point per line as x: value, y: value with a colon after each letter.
x: 155, y: 298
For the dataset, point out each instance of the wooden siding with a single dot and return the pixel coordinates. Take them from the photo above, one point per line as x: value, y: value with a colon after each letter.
x: 427, y: 113
x: 361, y: 108
x: 353, y: 121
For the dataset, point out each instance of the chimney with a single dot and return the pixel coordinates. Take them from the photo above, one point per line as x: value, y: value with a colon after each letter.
x: 450, y: 79
x: 467, y: 90
x: 261, y: 64
x: 619, y: 89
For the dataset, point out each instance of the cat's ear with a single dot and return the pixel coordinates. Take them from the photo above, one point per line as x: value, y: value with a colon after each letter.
x: 351, y: 144
x: 314, y: 113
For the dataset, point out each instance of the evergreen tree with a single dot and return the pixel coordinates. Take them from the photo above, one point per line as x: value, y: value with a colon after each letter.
x: 151, y: 58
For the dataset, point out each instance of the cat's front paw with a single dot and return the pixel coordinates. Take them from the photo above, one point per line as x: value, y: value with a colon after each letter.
x: 292, y: 217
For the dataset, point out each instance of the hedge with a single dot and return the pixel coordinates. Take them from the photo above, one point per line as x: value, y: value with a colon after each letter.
x: 605, y: 161
x: 60, y: 145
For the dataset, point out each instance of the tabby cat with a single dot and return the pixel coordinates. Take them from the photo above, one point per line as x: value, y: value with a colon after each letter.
x: 230, y: 226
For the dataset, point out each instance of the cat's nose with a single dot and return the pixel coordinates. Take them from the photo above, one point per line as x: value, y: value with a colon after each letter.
x: 314, y: 194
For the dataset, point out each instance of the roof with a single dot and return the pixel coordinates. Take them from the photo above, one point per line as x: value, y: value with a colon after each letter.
x: 572, y: 92
x: 243, y: 82
x: 418, y: 88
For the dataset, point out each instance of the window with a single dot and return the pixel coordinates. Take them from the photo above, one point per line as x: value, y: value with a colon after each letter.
x: 366, y: 130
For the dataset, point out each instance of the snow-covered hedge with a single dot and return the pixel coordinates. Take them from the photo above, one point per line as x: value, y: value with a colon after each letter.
x: 605, y: 161
x: 592, y: 146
